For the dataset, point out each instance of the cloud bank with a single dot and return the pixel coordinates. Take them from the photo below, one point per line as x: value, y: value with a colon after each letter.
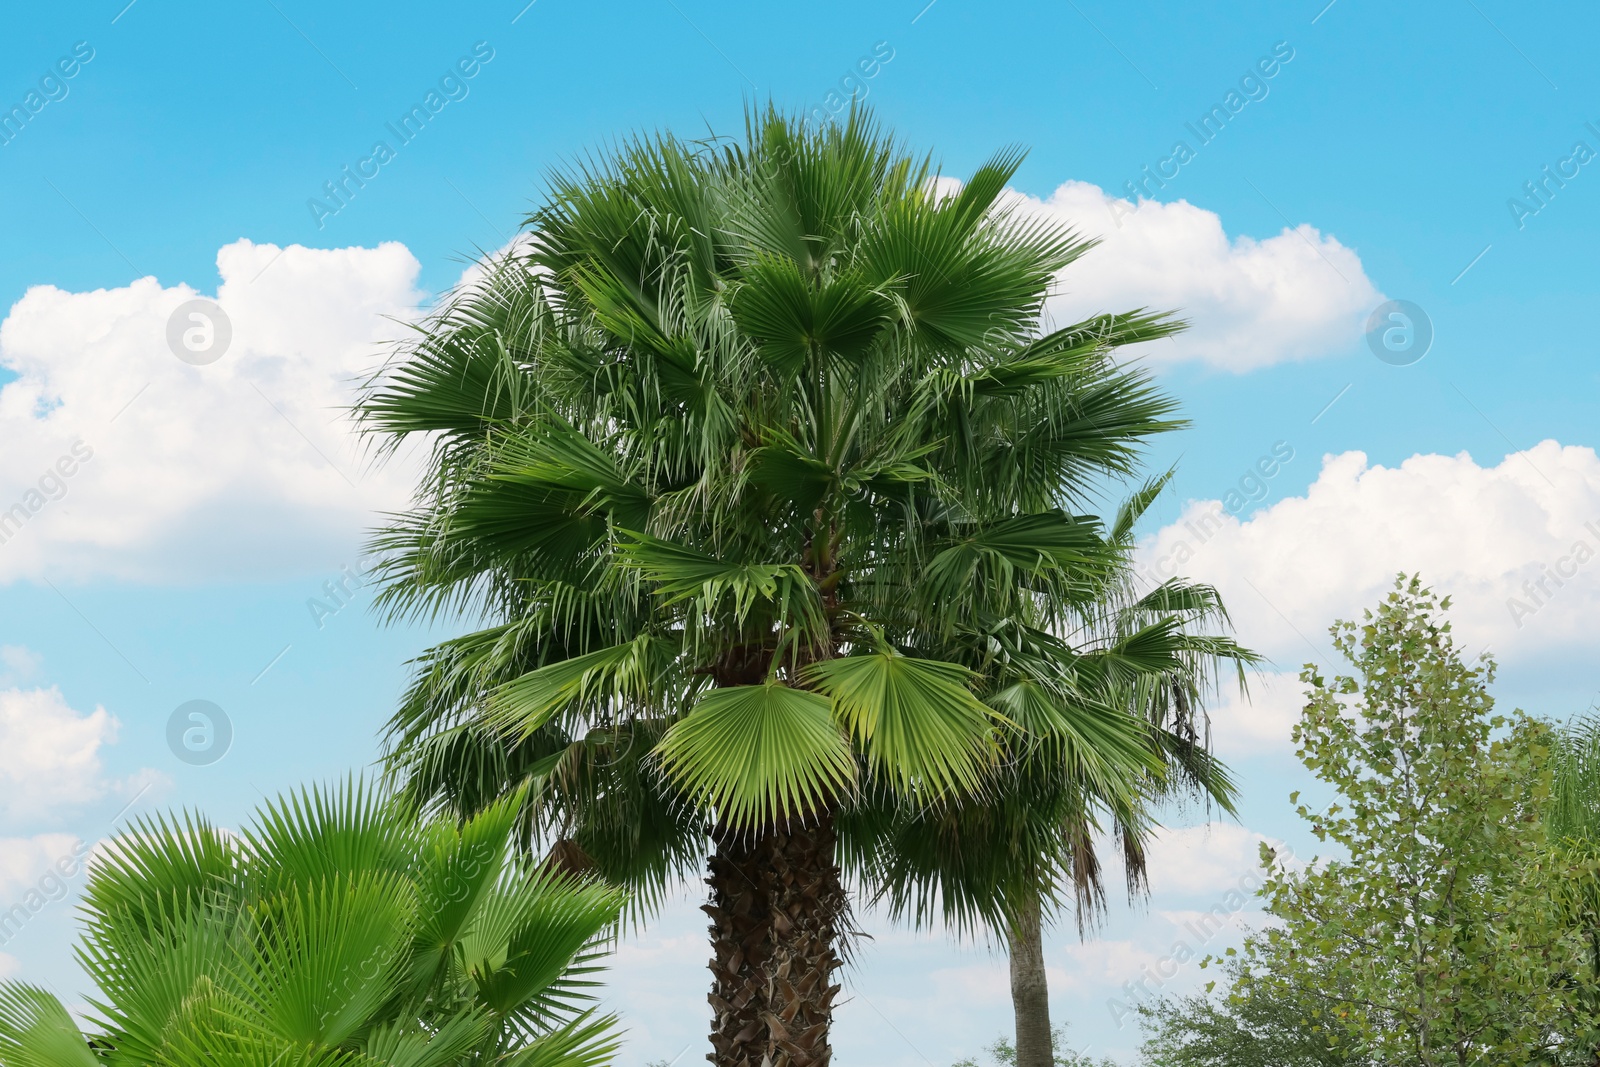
x: 1516, y: 544
x: 1251, y: 302
x: 125, y: 461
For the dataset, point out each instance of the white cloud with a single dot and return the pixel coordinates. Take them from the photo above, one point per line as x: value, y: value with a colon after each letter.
x: 1251, y: 303
x: 1487, y: 536
x: 35, y: 874
x: 24, y: 860
x: 1257, y: 723
x: 17, y: 663
x: 1213, y: 859
x: 1222, y: 918
x: 242, y: 467
x: 1093, y: 967
x: 974, y: 985
x: 49, y: 753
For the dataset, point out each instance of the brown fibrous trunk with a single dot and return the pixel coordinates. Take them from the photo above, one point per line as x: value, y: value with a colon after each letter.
x: 777, y: 909
x: 1030, y: 993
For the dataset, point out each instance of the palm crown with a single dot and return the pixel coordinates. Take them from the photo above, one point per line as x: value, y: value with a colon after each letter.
x: 335, y: 930
x: 758, y: 463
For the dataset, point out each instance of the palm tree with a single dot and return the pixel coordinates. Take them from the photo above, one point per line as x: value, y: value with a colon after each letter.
x: 738, y: 462
x: 1004, y: 862
x: 1574, y: 827
x: 336, y: 929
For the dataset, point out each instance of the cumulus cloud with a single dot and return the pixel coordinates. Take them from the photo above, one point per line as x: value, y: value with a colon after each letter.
x: 1251, y: 303
x: 125, y: 461
x: 1514, y: 545
x: 50, y: 754
x: 17, y: 663
x: 1257, y: 722
x: 1213, y: 859
x: 24, y: 860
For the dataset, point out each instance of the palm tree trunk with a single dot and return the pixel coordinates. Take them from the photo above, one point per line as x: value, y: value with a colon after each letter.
x: 777, y: 908
x: 1030, y: 992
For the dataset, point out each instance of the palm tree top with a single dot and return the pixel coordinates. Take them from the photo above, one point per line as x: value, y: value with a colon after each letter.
x: 779, y: 415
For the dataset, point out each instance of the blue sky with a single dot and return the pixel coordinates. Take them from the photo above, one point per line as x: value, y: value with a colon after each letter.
x: 1379, y: 160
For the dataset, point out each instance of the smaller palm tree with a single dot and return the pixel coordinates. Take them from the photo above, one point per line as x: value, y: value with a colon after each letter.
x: 1007, y: 861
x: 336, y: 929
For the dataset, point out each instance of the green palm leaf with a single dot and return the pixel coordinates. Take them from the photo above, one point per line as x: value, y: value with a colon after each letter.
x: 759, y: 754
x: 324, y: 957
x: 36, y: 1031
x: 917, y: 721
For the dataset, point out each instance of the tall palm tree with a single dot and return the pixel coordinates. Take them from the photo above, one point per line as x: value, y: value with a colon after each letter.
x: 335, y: 930
x: 739, y: 461
x: 1005, y: 862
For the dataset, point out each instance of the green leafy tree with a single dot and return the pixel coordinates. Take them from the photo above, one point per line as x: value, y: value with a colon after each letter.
x: 336, y: 929
x: 1435, y: 938
x: 1253, y: 1025
x: 741, y: 461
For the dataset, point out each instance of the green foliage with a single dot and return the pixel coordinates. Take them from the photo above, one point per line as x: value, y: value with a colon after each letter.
x: 1439, y: 937
x: 1028, y: 843
x: 772, y: 733
x: 769, y: 489
x: 771, y: 416
x: 336, y: 929
x: 1258, y: 1025
x: 1004, y: 1054
x: 1574, y: 825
